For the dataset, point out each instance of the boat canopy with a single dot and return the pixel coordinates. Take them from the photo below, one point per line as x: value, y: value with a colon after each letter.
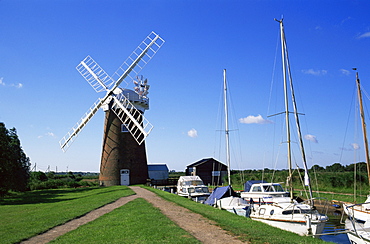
x: 249, y: 183
x: 190, y: 180
x: 220, y: 192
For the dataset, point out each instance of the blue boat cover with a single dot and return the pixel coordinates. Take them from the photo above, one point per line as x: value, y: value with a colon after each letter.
x: 220, y: 192
x: 249, y: 183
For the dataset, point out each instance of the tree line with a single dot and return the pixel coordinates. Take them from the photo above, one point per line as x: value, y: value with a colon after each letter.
x: 15, y: 172
x: 14, y: 164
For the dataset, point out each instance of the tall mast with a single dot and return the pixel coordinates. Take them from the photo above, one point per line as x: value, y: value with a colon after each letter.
x: 227, y: 129
x: 362, y: 114
x: 283, y: 58
x: 303, y: 154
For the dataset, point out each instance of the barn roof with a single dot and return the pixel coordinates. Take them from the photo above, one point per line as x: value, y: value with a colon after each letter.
x: 202, y: 161
x: 157, y: 167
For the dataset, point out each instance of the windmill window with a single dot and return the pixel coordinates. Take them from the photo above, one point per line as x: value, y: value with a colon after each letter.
x: 124, y: 128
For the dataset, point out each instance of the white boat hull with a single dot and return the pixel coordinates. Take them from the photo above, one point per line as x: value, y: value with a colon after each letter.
x: 359, y: 233
x: 291, y: 216
x: 360, y: 212
x: 234, y: 205
x: 358, y: 237
x: 299, y: 228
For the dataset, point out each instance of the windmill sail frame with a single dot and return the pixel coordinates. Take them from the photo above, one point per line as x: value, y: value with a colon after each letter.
x: 100, y: 80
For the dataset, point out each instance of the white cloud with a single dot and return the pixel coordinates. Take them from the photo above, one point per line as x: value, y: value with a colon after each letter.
x: 345, y: 72
x: 314, y: 72
x: 311, y: 138
x: 193, y: 133
x: 254, y: 120
x: 19, y: 85
x: 51, y: 134
x: 367, y: 34
x: 355, y: 146
x: 345, y: 20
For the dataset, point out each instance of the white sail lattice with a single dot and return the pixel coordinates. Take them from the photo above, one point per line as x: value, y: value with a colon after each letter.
x: 134, y: 120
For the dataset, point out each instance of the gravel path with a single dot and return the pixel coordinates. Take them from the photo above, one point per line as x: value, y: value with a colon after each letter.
x: 75, y: 223
x: 201, y: 228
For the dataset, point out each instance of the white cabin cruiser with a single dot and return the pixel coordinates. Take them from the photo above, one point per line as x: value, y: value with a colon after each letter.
x: 192, y: 187
x: 259, y: 190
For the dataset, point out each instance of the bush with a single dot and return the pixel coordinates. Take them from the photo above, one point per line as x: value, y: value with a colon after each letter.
x: 42, y: 181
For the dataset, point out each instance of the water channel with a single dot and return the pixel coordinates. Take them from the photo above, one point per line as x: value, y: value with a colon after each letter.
x: 334, y: 225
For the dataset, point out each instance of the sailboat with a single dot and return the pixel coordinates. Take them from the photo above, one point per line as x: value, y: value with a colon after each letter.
x: 285, y: 212
x: 360, y: 232
x: 225, y: 197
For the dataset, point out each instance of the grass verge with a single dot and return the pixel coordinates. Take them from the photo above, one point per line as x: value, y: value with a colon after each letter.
x: 31, y: 213
x: 135, y: 222
x: 247, y: 229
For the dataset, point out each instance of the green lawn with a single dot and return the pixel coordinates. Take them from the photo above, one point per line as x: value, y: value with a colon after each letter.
x: 135, y: 222
x: 28, y: 214
x: 247, y: 229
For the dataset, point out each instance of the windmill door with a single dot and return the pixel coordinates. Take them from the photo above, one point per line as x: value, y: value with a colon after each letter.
x: 125, y: 177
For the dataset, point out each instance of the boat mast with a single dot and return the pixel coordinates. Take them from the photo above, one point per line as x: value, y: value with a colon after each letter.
x: 362, y: 114
x: 303, y: 154
x: 227, y: 129
x: 283, y: 58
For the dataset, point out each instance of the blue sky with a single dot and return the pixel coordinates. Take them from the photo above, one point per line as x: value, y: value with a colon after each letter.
x: 43, y: 96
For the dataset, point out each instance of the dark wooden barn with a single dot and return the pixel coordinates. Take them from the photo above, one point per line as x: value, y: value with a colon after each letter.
x: 209, y: 169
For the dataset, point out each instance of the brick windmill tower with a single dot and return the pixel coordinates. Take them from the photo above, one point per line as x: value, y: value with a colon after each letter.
x: 123, y: 160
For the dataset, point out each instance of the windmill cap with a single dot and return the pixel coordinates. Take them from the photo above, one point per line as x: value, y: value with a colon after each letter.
x: 140, y: 102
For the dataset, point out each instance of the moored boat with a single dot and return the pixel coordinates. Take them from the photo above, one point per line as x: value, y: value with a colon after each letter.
x: 226, y: 198
x: 290, y: 215
x: 285, y: 212
x: 360, y: 232
x: 262, y: 191
x: 192, y: 187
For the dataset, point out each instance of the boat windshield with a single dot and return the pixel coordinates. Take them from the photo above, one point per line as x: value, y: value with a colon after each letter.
x: 273, y: 188
x: 198, y: 190
x: 278, y: 188
x: 194, y: 182
x: 256, y: 189
x: 269, y: 188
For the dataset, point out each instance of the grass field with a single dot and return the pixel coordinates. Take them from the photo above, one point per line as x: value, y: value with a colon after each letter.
x: 249, y: 230
x: 25, y: 215
x: 135, y: 222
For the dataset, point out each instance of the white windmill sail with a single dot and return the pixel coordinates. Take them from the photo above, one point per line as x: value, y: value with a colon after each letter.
x: 139, y: 127
x: 138, y: 59
x: 95, y: 75
x: 132, y: 118
x: 67, y: 140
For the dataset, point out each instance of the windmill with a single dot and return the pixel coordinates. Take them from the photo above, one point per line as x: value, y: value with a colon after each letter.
x: 125, y: 127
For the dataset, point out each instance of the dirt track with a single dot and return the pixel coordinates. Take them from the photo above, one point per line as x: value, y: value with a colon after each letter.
x: 201, y: 228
